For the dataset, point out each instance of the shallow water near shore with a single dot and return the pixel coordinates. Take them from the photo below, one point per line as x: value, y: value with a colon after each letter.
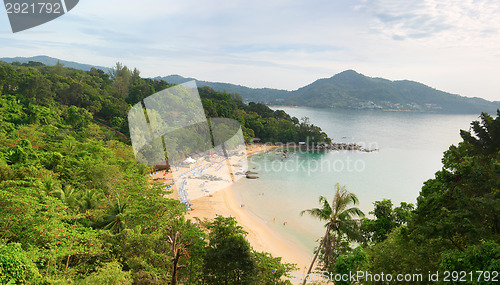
x: 410, y: 147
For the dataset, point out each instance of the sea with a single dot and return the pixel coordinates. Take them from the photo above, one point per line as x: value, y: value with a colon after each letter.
x: 407, y: 151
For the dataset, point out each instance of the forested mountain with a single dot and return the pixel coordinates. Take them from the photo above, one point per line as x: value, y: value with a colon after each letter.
x: 352, y: 90
x: 346, y: 90
x: 107, y: 97
x: 47, y: 60
x: 248, y: 94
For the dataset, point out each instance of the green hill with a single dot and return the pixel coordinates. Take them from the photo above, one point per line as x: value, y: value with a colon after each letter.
x: 353, y: 90
x: 108, y: 97
x: 50, y: 61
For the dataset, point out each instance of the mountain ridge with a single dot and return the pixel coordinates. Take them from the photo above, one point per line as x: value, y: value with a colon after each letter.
x: 51, y: 61
x: 347, y: 90
x: 352, y: 90
x: 249, y: 94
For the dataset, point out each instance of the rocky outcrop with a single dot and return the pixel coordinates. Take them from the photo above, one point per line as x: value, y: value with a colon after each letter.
x: 251, y: 175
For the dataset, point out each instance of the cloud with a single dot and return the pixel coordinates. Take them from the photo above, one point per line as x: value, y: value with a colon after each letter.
x: 430, y: 19
x: 282, y: 44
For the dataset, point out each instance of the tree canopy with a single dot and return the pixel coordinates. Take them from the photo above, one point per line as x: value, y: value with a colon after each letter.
x: 77, y: 208
x: 107, y: 97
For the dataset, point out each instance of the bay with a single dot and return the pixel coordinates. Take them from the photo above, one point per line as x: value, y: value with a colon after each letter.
x: 410, y: 147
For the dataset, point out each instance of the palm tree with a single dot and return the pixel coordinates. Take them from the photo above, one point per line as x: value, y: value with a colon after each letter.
x: 340, y: 217
x: 113, y: 219
x: 68, y: 196
x: 51, y: 186
x: 89, y: 200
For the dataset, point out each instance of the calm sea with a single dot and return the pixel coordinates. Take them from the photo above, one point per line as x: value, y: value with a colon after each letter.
x: 410, y: 147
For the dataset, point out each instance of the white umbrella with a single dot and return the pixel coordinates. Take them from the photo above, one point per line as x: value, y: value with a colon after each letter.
x: 189, y: 160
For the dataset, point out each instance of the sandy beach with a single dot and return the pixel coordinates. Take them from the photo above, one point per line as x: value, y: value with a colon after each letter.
x: 218, y: 199
x: 260, y: 236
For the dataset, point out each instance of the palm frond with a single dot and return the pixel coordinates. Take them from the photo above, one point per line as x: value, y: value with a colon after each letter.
x: 351, y: 213
x: 317, y: 213
x: 341, y: 221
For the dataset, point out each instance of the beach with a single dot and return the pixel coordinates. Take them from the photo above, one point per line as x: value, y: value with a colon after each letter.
x: 261, y: 237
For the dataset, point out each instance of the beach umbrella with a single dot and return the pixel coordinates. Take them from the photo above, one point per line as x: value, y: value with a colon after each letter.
x: 189, y: 160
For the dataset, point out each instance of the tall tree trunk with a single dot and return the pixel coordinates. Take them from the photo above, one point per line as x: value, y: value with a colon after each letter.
x: 334, y: 258
x: 177, y: 252
x: 176, y: 258
x: 316, y: 255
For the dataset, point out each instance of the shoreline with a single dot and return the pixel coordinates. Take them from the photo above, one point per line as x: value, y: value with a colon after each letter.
x: 260, y: 235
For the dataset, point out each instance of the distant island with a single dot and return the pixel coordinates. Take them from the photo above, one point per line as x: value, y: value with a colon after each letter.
x: 352, y: 90
x: 346, y: 90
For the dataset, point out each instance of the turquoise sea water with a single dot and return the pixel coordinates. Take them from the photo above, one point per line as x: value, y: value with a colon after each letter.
x: 410, y: 147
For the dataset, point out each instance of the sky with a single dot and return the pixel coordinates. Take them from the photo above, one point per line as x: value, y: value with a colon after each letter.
x: 452, y: 46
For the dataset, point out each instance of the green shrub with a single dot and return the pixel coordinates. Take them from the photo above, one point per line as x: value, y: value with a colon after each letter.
x: 15, y: 266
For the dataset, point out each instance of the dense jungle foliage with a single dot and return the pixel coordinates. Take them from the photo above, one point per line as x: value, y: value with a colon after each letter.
x: 76, y: 207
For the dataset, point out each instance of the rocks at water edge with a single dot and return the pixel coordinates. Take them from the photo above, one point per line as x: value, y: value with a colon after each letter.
x: 251, y: 175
